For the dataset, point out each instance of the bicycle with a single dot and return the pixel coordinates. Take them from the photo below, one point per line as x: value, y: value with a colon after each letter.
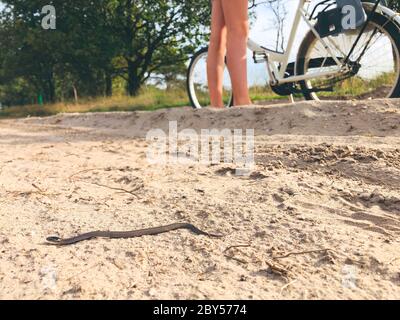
x: 349, y: 64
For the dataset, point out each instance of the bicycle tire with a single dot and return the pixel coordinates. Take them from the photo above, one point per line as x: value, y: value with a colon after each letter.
x: 190, y: 89
x: 391, y: 28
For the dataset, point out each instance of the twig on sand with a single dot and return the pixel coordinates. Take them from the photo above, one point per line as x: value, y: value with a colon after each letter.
x: 287, y: 285
x: 38, y: 188
x: 82, y: 171
x: 277, y: 268
x: 236, y: 259
x: 84, y: 271
x: 132, y: 192
x: 237, y: 246
x: 302, y: 252
x: 393, y: 260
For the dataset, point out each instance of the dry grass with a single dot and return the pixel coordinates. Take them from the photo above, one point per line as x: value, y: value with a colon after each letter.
x: 149, y: 99
x: 357, y: 86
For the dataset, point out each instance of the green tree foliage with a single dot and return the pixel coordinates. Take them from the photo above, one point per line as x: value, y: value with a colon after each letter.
x: 394, y: 4
x: 154, y: 34
x: 95, y: 41
x: 76, y: 53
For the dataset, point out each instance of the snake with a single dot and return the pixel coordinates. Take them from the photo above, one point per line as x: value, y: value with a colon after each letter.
x: 129, y: 234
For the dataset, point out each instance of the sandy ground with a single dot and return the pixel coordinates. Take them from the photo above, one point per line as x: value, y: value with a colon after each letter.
x: 318, y: 218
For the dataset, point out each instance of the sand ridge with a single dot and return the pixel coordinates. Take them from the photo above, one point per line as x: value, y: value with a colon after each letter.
x: 317, y: 218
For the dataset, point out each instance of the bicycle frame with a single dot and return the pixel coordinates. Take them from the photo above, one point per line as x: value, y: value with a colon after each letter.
x: 273, y: 58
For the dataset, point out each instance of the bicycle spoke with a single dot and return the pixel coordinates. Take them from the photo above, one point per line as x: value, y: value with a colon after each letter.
x: 371, y: 66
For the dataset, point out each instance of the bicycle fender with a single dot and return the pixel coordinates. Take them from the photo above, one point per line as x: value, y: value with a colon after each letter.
x: 385, y: 11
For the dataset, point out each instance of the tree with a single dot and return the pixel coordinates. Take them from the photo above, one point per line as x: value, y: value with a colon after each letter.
x: 96, y: 41
x: 76, y: 56
x: 154, y: 34
x: 394, y: 4
x: 280, y: 14
x: 25, y: 55
x: 172, y: 76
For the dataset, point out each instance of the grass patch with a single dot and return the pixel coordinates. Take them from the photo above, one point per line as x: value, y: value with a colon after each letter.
x: 149, y: 99
x: 358, y: 87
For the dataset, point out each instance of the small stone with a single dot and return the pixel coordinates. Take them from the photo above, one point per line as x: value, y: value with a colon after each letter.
x: 278, y: 198
x: 289, y: 191
x: 4, y: 240
x: 260, y: 234
x: 152, y: 292
x: 74, y: 290
x: 377, y: 198
x: 119, y: 264
x: 282, y: 206
x: 365, y: 196
x: 379, y: 153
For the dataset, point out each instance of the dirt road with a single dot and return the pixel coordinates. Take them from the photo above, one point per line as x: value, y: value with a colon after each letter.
x: 318, y: 217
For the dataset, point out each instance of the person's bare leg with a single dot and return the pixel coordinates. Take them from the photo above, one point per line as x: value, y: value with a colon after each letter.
x: 216, y: 55
x: 237, y: 24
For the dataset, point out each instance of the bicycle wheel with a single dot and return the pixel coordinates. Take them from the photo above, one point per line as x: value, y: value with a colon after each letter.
x: 372, y: 70
x: 197, y: 85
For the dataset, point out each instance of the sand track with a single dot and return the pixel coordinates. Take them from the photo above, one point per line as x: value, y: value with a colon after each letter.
x: 327, y: 176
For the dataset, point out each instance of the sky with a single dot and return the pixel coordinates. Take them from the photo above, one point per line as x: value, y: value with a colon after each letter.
x: 263, y: 33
